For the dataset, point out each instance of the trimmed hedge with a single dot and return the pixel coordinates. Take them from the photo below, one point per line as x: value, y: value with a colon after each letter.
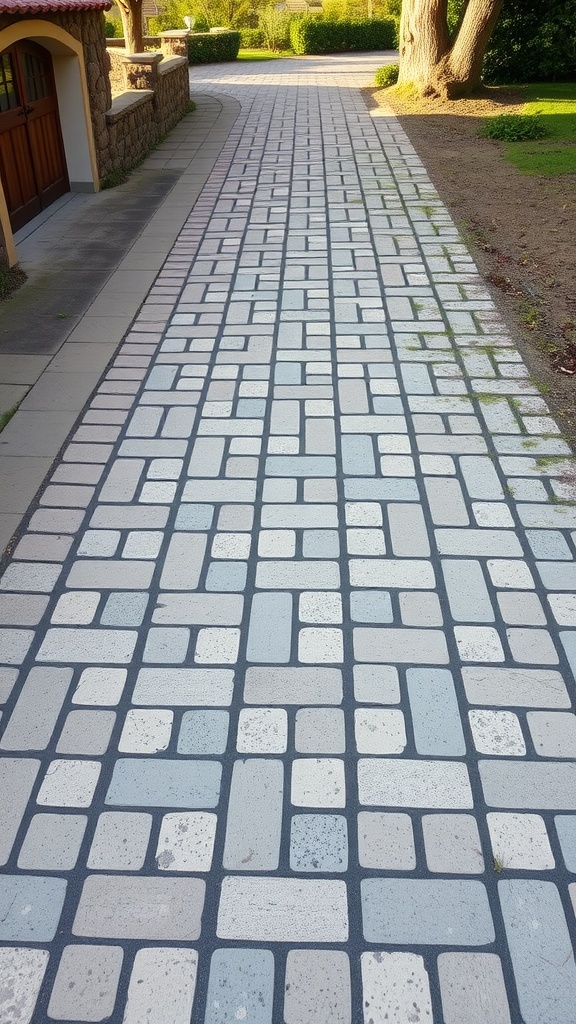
x: 314, y: 35
x: 532, y: 42
x: 251, y: 38
x: 212, y: 47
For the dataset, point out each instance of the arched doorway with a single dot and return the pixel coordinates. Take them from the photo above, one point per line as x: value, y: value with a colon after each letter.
x: 32, y: 160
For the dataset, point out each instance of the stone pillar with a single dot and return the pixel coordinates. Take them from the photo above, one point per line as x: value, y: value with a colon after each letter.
x: 141, y: 70
x: 174, y: 43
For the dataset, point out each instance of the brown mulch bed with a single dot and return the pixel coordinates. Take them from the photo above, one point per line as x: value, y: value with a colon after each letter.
x: 521, y: 229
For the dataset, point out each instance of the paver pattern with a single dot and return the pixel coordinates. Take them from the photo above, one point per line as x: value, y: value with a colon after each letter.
x: 288, y: 646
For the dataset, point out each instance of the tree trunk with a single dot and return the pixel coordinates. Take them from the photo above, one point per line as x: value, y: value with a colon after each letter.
x: 423, y: 40
x: 131, y: 14
x: 430, y: 60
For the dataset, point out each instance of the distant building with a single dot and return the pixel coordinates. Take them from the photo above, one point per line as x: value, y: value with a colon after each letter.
x: 301, y: 6
x: 150, y: 9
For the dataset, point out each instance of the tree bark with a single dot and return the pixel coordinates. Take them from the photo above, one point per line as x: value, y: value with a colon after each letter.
x: 430, y: 60
x: 131, y: 14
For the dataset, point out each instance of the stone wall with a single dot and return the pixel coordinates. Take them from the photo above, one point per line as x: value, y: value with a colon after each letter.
x: 171, y: 44
x: 172, y: 93
x: 132, y: 129
x: 151, y: 103
x: 88, y: 28
x: 139, y: 117
x: 125, y: 128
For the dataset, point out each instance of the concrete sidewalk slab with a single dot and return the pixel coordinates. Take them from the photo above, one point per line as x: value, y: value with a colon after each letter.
x: 90, y: 262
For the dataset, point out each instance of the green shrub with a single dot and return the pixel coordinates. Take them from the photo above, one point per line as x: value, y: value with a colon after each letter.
x: 337, y: 10
x: 532, y: 42
x: 172, y: 16
x: 251, y: 38
x: 514, y: 127
x: 212, y: 47
x: 393, y: 8
x: 388, y: 75
x: 316, y: 35
x: 453, y: 14
x: 109, y: 29
x: 275, y: 26
x: 357, y: 10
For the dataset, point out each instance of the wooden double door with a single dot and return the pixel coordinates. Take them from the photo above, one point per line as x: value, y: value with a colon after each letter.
x: 32, y: 160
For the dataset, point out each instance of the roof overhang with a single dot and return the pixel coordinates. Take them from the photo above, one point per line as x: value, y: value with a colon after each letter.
x: 52, y: 6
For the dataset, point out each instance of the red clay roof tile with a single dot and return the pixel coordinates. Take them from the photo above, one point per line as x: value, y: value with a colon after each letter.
x: 52, y: 6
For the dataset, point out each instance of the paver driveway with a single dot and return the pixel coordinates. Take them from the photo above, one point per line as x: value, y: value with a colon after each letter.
x: 288, y: 645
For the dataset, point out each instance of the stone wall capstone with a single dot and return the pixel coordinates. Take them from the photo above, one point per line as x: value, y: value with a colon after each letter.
x: 138, y: 118
x: 117, y: 79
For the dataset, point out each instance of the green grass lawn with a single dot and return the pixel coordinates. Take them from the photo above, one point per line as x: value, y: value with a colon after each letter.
x: 263, y: 54
x: 555, y: 103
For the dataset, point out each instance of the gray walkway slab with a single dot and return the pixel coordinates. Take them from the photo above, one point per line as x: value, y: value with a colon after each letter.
x: 288, y: 645
x: 91, y: 261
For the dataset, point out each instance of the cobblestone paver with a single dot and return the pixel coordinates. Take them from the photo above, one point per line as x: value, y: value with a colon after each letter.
x: 287, y: 649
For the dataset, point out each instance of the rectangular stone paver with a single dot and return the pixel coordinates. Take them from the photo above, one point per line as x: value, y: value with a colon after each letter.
x: 86, y: 983
x: 395, y: 987
x: 120, y: 841
x: 119, y: 907
x: 316, y: 685
x: 146, y: 782
x: 472, y: 988
x: 30, y: 907
x: 317, y: 987
x: 17, y: 777
x: 37, y: 709
x: 541, y: 785
x: 162, y: 986
x: 287, y: 649
x: 254, y: 820
x: 408, y: 783
x: 538, y: 688
x: 546, y: 987
x: 264, y: 643
x: 283, y: 910
x: 240, y: 986
x: 435, y: 713
x: 403, y: 646
x: 52, y: 842
x: 114, y: 646
x: 440, y: 912
x: 185, y: 686
x: 21, y: 974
